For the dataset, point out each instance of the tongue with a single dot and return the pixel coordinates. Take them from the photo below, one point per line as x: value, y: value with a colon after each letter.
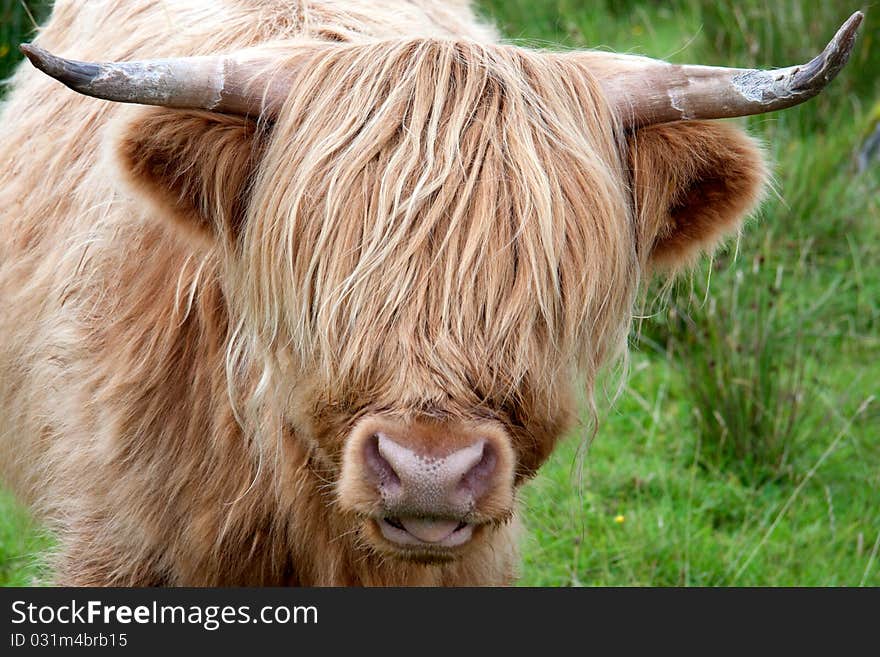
x: 429, y: 531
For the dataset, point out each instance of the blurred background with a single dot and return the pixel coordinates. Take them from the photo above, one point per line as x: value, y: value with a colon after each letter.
x: 745, y: 446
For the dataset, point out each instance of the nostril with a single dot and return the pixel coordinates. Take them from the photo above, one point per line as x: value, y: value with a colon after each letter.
x: 478, y: 479
x: 380, y: 469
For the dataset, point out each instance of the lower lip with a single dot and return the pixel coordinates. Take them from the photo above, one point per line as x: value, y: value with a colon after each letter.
x: 403, y: 538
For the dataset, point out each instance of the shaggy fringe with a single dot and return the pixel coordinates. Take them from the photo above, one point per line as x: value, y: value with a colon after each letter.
x: 463, y: 191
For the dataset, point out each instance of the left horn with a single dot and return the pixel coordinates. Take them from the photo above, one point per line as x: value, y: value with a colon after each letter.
x: 223, y: 84
x: 644, y: 91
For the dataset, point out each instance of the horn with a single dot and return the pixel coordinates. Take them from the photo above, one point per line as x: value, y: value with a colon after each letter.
x: 641, y: 90
x: 644, y: 91
x: 226, y: 84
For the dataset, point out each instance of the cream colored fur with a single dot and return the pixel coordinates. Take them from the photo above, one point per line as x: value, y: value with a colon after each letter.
x: 435, y: 225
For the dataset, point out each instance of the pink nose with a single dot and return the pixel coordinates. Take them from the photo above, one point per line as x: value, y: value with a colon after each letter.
x: 428, y: 484
x: 415, y: 484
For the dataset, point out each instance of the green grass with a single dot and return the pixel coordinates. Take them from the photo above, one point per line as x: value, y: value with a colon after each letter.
x: 745, y: 448
x: 22, y: 544
x: 17, y: 20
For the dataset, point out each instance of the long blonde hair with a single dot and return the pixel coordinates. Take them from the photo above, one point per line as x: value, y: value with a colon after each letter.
x: 438, y: 218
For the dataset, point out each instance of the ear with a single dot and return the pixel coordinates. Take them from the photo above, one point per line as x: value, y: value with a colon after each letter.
x: 694, y: 182
x: 196, y: 168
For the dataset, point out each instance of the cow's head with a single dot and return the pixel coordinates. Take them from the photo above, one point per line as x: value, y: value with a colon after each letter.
x: 429, y: 245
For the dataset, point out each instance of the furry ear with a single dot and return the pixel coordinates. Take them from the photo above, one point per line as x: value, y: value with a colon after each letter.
x: 694, y: 182
x: 196, y: 167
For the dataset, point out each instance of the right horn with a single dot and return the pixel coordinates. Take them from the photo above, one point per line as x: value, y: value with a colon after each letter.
x: 224, y: 83
x: 645, y: 91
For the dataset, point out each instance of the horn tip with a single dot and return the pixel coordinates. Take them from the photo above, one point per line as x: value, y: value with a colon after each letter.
x: 39, y: 57
x: 846, y: 35
x: 856, y: 19
x: 823, y: 68
x: 73, y: 74
x: 838, y: 51
x: 29, y: 50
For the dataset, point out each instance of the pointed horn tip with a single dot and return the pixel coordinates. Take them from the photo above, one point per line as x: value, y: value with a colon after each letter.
x: 29, y: 50
x: 846, y: 35
x: 853, y: 22
x: 836, y: 54
x: 39, y: 57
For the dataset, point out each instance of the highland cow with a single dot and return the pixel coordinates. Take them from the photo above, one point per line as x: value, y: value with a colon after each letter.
x: 315, y: 316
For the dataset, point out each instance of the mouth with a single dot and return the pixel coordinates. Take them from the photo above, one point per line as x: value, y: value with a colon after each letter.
x: 425, y: 533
